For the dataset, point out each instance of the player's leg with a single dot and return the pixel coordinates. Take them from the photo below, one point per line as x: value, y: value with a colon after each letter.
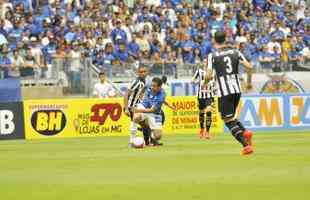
x: 246, y: 133
x: 209, y: 116
x: 146, y: 130
x: 155, y: 123
x: 202, y: 116
x: 163, y: 117
x: 137, y: 118
x: 133, y: 128
x: 227, y: 107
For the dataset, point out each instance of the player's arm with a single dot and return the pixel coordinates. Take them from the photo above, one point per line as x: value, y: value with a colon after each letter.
x: 126, y: 96
x: 169, y: 106
x: 156, y: 106
x: 128, y: 92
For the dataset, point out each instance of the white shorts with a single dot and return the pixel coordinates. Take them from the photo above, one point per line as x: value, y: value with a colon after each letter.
x: 154, y: 120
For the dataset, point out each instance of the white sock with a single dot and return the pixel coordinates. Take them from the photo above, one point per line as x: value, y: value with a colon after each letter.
x: 133, y: 131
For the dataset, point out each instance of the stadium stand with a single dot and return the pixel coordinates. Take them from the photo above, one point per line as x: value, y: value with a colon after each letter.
x: 51, y: 42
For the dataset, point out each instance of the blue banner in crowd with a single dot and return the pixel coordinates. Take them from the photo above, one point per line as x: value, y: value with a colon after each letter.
x: 10, y: 90
x: 275, y: 112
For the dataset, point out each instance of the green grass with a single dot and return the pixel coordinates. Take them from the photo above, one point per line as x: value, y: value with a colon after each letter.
x: 185, y: 168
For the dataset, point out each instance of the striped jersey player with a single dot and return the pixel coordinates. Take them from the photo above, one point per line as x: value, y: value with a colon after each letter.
x: 135, y: 91
x: 132, y: 98
x: 205, y: 96
x: 224, y: 61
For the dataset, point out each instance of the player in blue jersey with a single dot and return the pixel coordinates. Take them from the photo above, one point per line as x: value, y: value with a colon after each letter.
x: 150, y: 110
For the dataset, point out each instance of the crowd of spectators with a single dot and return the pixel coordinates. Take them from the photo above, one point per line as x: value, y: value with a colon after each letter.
x: 273, y: 34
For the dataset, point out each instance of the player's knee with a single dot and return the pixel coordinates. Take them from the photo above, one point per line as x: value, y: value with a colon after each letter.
x: 137, y: 117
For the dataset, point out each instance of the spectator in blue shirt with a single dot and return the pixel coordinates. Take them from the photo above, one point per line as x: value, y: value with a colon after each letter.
x: 121, y: 53
x: 260, y: 4
x: 278, y: 33
x: 188, y: 47
x: 295, y: 57
x: 277, y: 67
x: 49, y: 50
x: 108, y: 57
x: 263, y: 39
x: 215, y: 22
x: 71, y: 34
x: 252, y: 50
x: 144, y: 16
x: 300, y: 43
x: 155, y: 46
x: 118, y: 33
x: 16, y: 33
x: 5, y: 62
x: 133, y: 47
x: 266, y: 59
x: 205, y: 46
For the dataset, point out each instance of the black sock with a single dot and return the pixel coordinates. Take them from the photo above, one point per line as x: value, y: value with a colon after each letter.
x: 240, y: 125
x: 236, y: 131
x: 209, y: 120
x: 146, y: 134
x: 202, y: 119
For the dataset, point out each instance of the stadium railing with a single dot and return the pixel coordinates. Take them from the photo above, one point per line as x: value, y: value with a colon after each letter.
x: 76, y: 77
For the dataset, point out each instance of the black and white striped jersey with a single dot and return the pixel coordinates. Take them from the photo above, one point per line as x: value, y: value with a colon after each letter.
x: 137, y: 88
x: 203, y: 92
x: 225, y: 63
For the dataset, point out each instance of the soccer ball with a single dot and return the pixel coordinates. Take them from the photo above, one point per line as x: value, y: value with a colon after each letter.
x: 138, y: 142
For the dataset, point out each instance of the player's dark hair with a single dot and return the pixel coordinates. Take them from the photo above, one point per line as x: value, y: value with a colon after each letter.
x: 158, y: 81
x: 220, y: 37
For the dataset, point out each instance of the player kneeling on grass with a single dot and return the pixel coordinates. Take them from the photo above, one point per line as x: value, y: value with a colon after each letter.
x: 147, y: 131
x: 150, y: 110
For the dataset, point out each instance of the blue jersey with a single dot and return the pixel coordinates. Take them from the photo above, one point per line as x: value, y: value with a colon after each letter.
x: 156, y: 100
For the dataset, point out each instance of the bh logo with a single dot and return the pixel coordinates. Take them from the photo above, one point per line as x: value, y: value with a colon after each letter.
x: 48, y: 122
x: 261, y: 112
x: 7, y: 125
x: 300, y: 111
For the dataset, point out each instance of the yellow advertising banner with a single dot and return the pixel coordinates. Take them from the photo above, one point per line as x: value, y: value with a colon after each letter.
x: 185, y: 120
x: 74, y: 118
x: 60, y: 118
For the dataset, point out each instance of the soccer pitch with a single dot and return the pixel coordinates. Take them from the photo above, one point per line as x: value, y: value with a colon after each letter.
x: 184, y: 168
